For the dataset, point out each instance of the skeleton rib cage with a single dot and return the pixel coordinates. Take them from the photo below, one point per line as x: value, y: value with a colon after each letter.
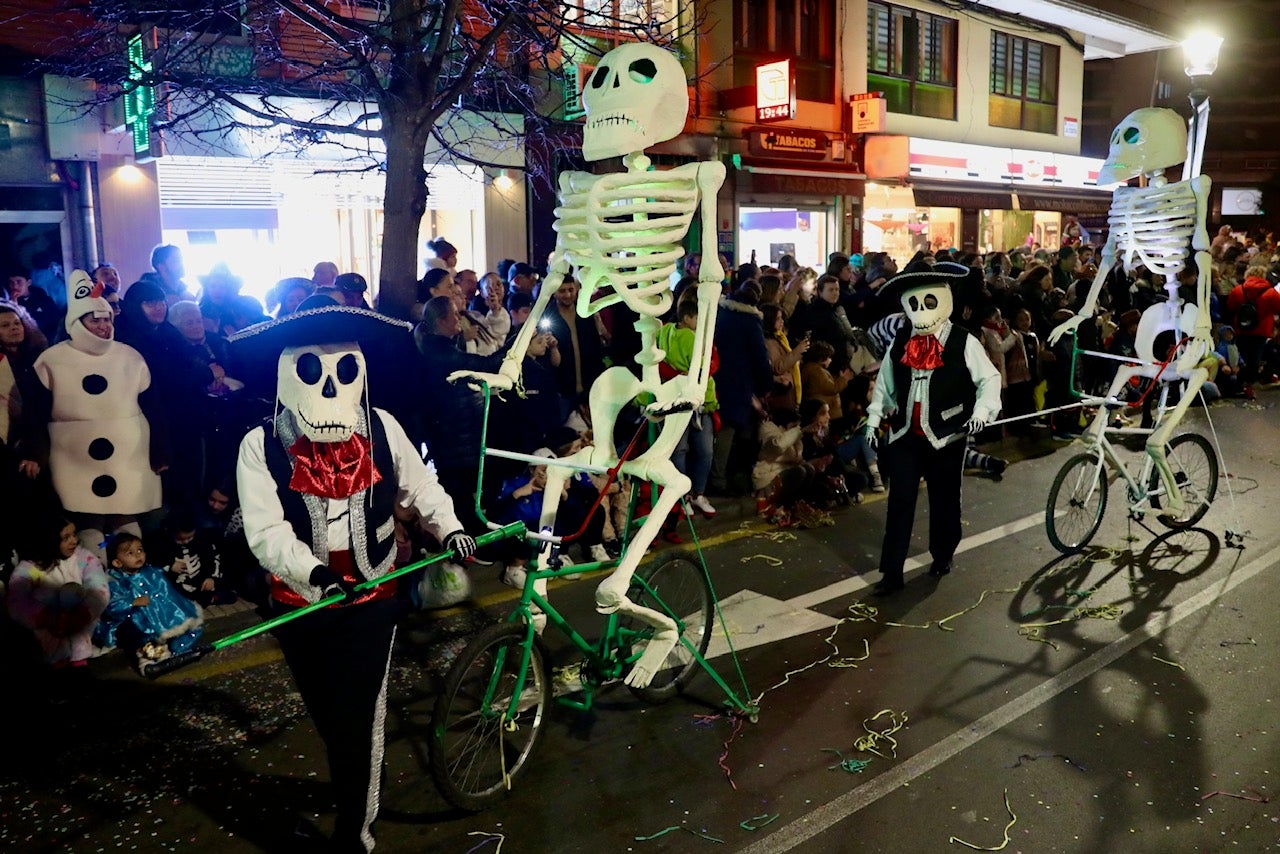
x: 1153, y: 226
x: 623, y: 231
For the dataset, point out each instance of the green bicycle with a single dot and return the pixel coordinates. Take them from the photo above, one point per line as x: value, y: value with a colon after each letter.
x: 489, y: 718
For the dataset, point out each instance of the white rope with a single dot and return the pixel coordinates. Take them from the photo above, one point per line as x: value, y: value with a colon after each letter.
x: 1042, y: 412
x: 1217, y: 444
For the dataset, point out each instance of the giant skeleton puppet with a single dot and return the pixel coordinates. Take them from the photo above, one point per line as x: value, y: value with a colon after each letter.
x: 318, y: 487
x: 1151, y: 226
x: 621, y: 233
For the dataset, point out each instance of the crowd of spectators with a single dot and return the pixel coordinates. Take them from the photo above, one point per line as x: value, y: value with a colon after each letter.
x: 797, y: 350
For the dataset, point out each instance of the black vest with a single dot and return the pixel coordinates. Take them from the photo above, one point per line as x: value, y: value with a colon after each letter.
x: 948, y: 405
x: 371, y: 524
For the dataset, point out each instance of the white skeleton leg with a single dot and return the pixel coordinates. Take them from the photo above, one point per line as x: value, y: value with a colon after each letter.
x: 1173, y: 505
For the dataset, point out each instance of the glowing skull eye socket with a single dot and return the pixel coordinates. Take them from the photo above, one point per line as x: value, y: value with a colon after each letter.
x: 1131, y: 134
x: 930, y: 301
x: 598, y: 79
x: 643, y: 71
x: 309, y: 369
x: 915, y: 304
x: 348, y: 369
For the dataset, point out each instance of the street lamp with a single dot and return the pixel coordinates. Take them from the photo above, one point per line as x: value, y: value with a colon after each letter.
x: 1199, y: 61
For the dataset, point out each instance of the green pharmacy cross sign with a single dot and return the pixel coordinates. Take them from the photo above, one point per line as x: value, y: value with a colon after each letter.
x: 139, y: 99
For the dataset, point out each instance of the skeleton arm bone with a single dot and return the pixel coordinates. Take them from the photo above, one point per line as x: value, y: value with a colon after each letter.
x: 710, y: 274
x: 1203, y: 335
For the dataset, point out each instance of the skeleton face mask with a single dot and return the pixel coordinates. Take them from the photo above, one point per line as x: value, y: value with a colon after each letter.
x: 321, y: 385
x: 636, y: 97
x: 1147, y: 140
x: 927, y: 308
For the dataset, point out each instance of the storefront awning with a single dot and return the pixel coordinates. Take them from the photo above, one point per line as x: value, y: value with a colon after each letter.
x: 961, y: 197
x: 1080, y: 205
x: 801, y: 182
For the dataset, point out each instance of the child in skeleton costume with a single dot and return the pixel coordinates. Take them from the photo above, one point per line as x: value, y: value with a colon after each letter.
x: 101, y: 456
x: 1153, y: 226
x: 621, y: 234
x: 318, y: 488
x: 938, y: 380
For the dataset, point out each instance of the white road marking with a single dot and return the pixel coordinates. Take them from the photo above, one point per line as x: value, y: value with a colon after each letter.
x: 828, y: 815
x: 755, y: 620
x: 857, y: 583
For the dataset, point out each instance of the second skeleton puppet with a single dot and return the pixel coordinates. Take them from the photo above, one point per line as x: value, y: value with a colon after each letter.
x: 939, y: 385
x: 319, y: 487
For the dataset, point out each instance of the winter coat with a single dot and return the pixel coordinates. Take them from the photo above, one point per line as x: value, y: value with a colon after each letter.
x: 677, y: 343
x: 62, y: 619
x: 452, y: 414
x: 745, y: 371
x: 169, y: 616
x: 829, y: 323
x: 780, y: 449
x: 1263, y: 294
x: 821, y: 384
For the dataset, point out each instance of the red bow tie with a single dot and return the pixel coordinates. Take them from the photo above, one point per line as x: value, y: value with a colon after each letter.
x: 924, y: 352
x: 332, y: 469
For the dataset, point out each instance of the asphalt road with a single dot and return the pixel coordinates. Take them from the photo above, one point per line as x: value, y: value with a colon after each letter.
x: 1143, y: 723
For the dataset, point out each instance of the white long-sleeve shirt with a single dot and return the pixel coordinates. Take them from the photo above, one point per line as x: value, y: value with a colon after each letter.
x: 271, y: 537
x: 985, y: 378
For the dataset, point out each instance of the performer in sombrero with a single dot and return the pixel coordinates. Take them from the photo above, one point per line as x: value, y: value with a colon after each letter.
x: 318, y: 487
x: 939, y: 385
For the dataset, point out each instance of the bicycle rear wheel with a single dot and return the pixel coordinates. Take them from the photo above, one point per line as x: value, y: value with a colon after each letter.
x: 1077, y: 501
x: 1195, y: 468
x: 476, y: 751
x: 678, y: 588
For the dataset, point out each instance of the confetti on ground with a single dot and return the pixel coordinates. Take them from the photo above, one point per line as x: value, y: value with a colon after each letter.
x: 870, y: 743
x: 489, y: 837
x: 1257, y: 797
x: 1249, y: 642
x: 1013, y: 819
x: 765, y: 820
x: 675, y: 827
x: 1168, y: 662
x: 769, y: 559
x: 853, y: 766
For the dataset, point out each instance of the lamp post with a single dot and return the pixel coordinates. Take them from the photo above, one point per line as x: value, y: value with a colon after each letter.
x: 1199, y: 61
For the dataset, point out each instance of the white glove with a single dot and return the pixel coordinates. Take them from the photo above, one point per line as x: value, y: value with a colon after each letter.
x: 462, y: 543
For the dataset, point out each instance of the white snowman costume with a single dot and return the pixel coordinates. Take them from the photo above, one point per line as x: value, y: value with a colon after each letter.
x: 100, y: 442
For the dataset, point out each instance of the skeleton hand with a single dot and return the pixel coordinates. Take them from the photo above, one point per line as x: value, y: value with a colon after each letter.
x: 1063, y: 328
x: 871, y: 437
x: 976, y: 425
x: 1200, y: 345
x: 479, y: 379
x: 677, y: 395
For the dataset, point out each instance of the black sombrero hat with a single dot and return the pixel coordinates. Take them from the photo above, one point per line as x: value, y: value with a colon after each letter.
x: 962, y: 280
x: 385, y: 341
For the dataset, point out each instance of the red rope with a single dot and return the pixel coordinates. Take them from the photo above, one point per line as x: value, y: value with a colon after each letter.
x: 613, y: 475
x: 1173, y: 351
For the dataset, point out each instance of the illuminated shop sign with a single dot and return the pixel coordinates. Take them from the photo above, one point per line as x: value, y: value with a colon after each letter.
x: 775, y: 92
x: 931, y: 158
x: 139, y: 98
x: 788, y: 142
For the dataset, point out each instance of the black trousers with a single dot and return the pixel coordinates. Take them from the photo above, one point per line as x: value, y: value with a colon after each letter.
x: 339, y: 658
x: 905, y: 462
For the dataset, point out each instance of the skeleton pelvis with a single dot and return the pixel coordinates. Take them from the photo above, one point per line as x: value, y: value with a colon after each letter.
x: 1162, y: 326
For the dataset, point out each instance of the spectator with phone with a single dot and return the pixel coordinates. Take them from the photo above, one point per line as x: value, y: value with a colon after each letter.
x: 784, y: 359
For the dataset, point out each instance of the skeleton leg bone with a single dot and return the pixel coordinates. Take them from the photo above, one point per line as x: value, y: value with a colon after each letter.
x: 1173, y: 505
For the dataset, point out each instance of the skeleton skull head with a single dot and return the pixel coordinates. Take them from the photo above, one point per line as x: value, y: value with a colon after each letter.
x: 636, y: 97
x: 321, y: 385
x: 1147, y: 140
x: 927, y: 306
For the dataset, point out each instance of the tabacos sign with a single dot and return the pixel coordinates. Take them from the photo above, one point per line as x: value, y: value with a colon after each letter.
x: 789, y: 143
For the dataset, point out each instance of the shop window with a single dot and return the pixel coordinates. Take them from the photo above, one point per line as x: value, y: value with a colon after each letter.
x: 1024, y: 84
x: 911, y: 57
x: 609, y: 14
x: 803, y: 30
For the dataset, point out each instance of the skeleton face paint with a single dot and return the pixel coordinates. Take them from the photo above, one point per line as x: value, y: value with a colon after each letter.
x: 927, y: 308
x: 321, y: 385
x: 636, y: 97
x: 1147, y: 140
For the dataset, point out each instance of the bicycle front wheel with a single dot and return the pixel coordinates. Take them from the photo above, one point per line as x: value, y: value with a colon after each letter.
x: 679, y: 589
x: 1195, y: 470
x: 1077, y: 500
x: 477, y: 748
